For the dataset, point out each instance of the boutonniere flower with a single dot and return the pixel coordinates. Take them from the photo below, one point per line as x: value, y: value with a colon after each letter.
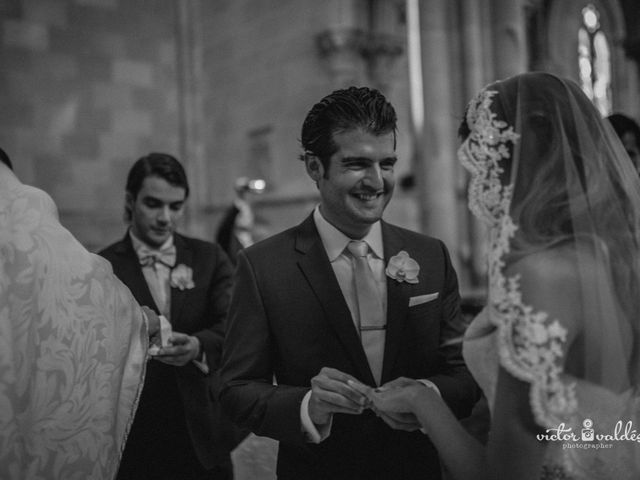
x: 403, y: 268
x: 182, y: 277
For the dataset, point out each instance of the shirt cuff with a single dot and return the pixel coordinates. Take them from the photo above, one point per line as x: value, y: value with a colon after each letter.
x: 313, y: 433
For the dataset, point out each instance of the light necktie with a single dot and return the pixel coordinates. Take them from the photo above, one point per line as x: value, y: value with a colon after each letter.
x: 371, y: 317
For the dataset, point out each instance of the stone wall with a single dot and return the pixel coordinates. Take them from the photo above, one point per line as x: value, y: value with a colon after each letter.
x: 87, y: 86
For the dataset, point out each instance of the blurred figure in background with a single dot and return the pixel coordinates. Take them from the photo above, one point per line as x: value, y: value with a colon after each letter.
x: 236, y: 228
x: 629, y: 132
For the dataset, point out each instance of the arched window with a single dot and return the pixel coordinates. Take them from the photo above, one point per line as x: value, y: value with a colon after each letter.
x: 594, y: 60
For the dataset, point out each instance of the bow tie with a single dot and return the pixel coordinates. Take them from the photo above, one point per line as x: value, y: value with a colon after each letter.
x: 149, y: 257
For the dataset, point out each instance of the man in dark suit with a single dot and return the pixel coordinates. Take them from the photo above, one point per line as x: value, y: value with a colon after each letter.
x: 344, y: 297
x: 178, y: 431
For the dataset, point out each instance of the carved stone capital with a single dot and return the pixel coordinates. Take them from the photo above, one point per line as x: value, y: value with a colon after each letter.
x: 340, y: 41
x: 383, y: 52
x: 343, y: 51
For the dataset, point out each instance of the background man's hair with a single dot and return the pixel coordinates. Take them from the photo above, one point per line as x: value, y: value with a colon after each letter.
x: 160, y: 165
x: 4, y: 158
x: 623, y: 124
x: 343, y: 110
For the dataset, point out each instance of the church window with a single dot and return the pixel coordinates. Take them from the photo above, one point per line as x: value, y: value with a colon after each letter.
x: 594, y: 60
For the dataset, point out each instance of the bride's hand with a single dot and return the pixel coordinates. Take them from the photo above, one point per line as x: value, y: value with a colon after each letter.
x: 398, y: 396
x: 390, y: 403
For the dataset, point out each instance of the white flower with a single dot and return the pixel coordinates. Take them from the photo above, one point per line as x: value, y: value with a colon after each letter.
x: 403, y: 268
x: 182, y: 277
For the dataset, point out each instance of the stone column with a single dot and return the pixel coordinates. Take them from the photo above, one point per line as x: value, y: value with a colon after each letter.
x: 436, y: 143
x: 386, y: 44
x: 342, y: 50
x: 189, y: 71
x: 509, y: 38
x: 477, y: 71
x: 342, y: 45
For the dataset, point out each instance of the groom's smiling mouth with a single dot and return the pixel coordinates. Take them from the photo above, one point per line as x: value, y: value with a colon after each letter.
x: 368, y: 196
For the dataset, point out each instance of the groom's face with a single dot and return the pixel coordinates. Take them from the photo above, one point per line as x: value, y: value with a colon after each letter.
x: 359, y: 180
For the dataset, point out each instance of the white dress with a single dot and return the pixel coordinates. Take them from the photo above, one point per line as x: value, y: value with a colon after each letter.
x: 575, y: 460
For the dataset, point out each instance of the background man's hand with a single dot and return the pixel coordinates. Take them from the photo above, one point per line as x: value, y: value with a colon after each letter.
x: 183, y: 348
x: 331, y: 394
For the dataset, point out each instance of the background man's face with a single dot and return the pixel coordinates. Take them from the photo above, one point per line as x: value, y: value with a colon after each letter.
x: 156, y: 210
x: 359, y: 182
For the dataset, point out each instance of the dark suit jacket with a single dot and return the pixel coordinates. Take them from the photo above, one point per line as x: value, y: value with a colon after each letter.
x: 200, y: 312
x: 288, y: 317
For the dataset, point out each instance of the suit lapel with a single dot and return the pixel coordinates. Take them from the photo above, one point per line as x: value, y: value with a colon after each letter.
x: 317, y: 269
x: 184, y: 255
x: 397, y: 303
x: 127, y: 268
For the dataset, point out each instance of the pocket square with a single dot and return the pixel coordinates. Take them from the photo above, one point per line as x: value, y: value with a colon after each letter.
x: 420, y: 299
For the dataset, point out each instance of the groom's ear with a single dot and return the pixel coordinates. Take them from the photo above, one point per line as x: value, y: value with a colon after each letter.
x: 315, y: 168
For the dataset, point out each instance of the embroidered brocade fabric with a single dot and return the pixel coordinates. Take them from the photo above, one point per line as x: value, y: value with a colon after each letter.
x: 72, y: 347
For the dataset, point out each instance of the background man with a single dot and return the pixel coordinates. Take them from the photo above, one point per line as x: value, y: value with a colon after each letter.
x: 177, y: 431
x: 629, y: 132
x: 315, y: 307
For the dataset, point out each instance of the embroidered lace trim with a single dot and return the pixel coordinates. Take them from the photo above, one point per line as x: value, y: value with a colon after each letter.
x: 529, y: 344
x: 481, y: 154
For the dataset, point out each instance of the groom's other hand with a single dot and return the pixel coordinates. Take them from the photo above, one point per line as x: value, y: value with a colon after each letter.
x: 330, y: 393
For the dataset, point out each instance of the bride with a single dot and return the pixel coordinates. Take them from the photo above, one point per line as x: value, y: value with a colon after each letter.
x: 557, y: 349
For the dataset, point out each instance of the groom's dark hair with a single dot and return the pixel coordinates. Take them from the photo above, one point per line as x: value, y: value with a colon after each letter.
x: 341, y: 111
x: 160, y: 165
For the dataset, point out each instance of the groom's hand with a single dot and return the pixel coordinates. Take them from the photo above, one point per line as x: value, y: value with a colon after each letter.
x: 331, y: 394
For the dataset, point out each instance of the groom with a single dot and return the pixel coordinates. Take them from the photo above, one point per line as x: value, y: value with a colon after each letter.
x: 344, y: 297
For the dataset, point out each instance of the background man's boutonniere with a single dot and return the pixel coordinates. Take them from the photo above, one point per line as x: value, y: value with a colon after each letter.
x: 403, y: 268
x: 182, y: 277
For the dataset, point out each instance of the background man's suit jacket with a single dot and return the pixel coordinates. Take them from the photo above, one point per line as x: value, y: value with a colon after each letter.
x: 288, y: 316
x: 200, y: 312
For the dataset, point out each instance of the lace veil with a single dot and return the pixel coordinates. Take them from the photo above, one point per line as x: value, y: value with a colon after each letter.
x: 562, y: 200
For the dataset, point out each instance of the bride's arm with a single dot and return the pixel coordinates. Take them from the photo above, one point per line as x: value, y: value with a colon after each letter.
x: 513, y: 451
x: 463, y: 455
